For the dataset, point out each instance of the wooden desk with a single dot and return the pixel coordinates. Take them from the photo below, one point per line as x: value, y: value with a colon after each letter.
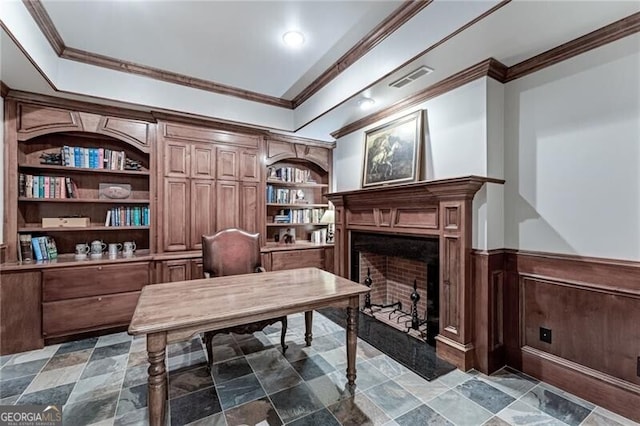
x: 172, y: 312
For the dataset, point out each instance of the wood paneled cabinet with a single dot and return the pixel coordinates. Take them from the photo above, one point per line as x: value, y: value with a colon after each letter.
x: 88, y: 298
x: 207, y: 185
x: 277, y: 258
x: 20, y: 314
x: 180, y: 270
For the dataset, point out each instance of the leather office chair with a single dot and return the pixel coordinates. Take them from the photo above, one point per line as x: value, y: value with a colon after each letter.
x: 233, y: 252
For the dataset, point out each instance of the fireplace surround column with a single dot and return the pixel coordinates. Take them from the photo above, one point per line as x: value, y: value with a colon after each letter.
x: 438, y: 208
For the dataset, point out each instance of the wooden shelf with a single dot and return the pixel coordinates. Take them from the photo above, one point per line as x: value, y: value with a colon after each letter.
x: 295, y: 224
x: 93, y: 227
x: 297, y: 184
x: 66, y: 169
x: 298, y: 205
x: 84, y: 200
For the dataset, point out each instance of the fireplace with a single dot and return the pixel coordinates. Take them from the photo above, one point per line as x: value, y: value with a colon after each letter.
x: 433, y: 211
x: 392, y: 265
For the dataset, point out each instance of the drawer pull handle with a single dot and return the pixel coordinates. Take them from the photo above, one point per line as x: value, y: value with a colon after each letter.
x: 99, y: 268
x: 99, y: 299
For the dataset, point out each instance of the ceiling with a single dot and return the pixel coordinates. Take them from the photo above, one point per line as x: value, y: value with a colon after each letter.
x: 226, y: 59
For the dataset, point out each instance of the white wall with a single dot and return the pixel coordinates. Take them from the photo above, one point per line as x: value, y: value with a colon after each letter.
x: 455, y: 145
x: 572, y: 155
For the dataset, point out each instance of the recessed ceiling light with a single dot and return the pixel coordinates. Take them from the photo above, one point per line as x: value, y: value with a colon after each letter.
x: 293, y: 38
x: 366, y: 103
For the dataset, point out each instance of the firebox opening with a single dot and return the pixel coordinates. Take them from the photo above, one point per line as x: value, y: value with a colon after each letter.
x: 392, y: 265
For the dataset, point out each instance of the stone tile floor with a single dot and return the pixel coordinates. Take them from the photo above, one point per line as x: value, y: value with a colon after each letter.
x: 102, y: 381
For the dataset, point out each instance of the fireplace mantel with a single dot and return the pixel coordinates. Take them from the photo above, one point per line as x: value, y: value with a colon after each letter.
x: 441, y: 208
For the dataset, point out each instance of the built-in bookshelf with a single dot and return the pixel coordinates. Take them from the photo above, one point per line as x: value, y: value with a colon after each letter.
x: 294, y: 199
x: 97, y: 188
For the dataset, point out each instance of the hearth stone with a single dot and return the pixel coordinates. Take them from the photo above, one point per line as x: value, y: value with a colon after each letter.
x: 414, y: 354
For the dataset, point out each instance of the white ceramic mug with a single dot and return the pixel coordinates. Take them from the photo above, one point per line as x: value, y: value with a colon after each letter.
x: 97, y: 247
x: 128, y: 248
x: 114, y: 249
x: 82, y: 248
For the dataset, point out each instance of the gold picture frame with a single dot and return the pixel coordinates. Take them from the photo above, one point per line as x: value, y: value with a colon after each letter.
x: 392, y: 152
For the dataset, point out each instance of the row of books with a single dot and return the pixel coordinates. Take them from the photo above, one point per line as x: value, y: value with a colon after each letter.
x: 128, y: 216
x: 285, y: 196
x: 290, y: 174
x: 298, y: 216
x: 93, y: 158
x: 38, y: 248
x: 30, y: 186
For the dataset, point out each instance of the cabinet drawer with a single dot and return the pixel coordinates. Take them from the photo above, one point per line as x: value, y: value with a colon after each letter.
x: 87, y: 313
x: 70, y: 283
x: 297, y: 259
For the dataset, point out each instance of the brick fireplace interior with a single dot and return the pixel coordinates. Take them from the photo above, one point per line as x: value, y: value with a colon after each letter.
x: 393, y: 263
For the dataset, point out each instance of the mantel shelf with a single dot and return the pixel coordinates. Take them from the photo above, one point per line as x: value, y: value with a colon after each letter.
x: 66, y: 169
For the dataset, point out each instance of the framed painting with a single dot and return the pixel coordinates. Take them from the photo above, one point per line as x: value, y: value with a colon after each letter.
x: 392, y: 152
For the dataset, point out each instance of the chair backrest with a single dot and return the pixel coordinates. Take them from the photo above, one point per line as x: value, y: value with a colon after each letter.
x: 230, y: 252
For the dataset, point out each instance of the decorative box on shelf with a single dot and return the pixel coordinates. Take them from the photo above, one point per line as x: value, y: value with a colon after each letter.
x: 65, y: 222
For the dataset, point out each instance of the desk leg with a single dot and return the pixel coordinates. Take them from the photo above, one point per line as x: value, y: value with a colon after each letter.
x: 308, y: 325
x: 352, y: 339
x: 156, y: 346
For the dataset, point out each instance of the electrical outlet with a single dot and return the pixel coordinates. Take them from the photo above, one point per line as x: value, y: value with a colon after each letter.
x: 545, y: 334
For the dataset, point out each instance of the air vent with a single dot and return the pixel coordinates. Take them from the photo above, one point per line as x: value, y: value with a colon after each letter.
x: 411, y: 77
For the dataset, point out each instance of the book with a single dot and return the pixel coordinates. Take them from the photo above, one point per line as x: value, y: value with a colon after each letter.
x: 42, y: 241
x: 25, y: 251
x: 36, y: 248
x: 52, y: 249
x: 22, y: 185
x: 107, y: 220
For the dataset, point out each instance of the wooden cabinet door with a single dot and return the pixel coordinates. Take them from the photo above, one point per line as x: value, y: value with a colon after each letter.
x: 249, y: 166
x: 227, y: 213
x: 249, y: 212
x: 227, y: 163
x: 203, y: 161
x: 175, y: 215
x: 196, y: 269
x: 20, y: 313
x: 175, y: 270
x: 176, y: 159
x: 203, y: 211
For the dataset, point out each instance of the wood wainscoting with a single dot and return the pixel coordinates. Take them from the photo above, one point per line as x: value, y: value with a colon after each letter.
x: 488, y: 295
x: 592, y: 307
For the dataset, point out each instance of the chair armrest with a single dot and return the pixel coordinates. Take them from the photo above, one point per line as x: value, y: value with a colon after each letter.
x: 260, y: 269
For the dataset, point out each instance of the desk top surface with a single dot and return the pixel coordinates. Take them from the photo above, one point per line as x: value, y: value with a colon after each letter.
x: 236, y: 299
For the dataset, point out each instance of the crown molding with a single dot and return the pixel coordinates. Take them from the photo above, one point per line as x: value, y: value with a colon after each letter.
x: 500, y: 72
x: 4, y: 89
x: 605, y: 35
x: 414, y: 58
x: 170, y: 77
x: 399, y: 17
x: 395, y: 20
x: 55, y: 102
x: 44, y: 22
